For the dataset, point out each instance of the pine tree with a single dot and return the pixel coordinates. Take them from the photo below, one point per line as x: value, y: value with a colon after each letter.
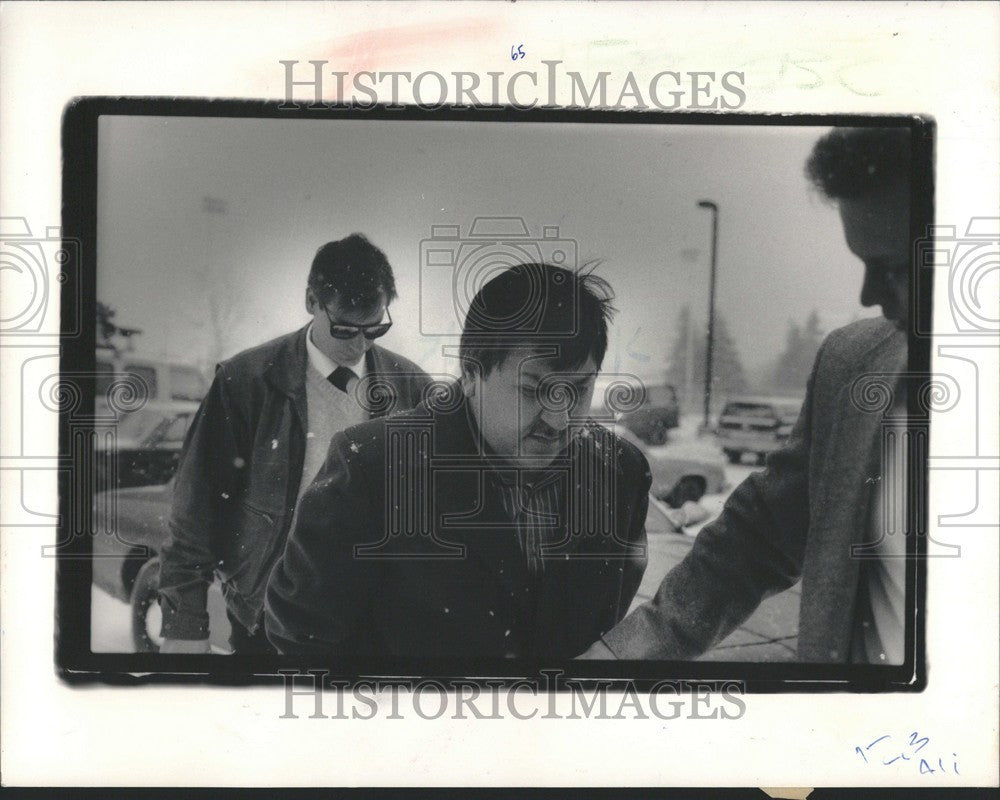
x: 792, y: 368
x: 686, y: 366
x: 106, y: 327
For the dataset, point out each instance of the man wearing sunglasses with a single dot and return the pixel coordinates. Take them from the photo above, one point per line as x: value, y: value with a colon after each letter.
x: 261, y: 435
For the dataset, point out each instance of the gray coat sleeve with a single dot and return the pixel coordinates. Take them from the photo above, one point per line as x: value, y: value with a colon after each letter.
x: 753, y: 550
x: 205, y: 487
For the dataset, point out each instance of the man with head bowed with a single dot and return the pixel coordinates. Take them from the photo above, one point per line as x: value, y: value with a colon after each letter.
x: 262, y: 433
x: 495, y: 520
x: 818, y: 504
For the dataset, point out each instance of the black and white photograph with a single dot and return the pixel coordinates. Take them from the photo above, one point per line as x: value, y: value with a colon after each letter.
x: 504, y: 392
x: 571, y: 395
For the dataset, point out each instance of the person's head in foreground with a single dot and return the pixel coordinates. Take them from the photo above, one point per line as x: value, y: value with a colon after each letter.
x: 533, y: 342
x: 867, y: 171
x: 348, y: 293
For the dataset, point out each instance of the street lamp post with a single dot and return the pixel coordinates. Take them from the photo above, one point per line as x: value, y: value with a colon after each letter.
x: 710, y: 349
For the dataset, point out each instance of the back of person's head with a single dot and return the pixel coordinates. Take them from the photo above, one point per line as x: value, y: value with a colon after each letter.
x: 848, y: 163
x: 352, y: 271
x: 537, y: 306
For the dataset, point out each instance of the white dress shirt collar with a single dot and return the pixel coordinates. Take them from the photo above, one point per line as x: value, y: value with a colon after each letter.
x: 325, y: 365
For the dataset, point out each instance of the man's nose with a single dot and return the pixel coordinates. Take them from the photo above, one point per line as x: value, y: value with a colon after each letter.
x: 872, y: 289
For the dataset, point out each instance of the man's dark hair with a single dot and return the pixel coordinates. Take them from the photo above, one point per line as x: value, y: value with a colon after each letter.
x: 848, y: 163
x: 537, y: 306
x: 352, y: 271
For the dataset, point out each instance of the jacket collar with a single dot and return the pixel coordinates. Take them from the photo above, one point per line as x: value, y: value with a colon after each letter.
x: 325, y: 365
x: 286, y: 371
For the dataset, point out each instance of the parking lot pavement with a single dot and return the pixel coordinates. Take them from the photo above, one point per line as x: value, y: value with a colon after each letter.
x: 770, y: 634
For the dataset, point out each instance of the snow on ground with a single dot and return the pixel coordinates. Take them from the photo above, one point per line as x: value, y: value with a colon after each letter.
x: 110, y: 623
x: 769, y: 635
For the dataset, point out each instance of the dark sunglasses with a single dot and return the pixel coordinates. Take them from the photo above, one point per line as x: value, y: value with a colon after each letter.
x: 339, y: 330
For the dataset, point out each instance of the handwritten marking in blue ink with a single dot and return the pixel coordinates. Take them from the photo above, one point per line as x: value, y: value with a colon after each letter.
x: 914, y: 744
x: 518, y: 53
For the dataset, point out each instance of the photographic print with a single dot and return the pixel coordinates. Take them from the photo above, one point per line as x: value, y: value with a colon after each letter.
x: 527, y: 367
x: 569, y: 395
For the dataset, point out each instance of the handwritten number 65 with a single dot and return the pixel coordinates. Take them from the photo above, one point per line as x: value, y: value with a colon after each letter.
x: 516, y: 53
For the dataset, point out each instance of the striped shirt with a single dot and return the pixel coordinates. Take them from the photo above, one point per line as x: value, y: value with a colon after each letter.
x: 535, y: 507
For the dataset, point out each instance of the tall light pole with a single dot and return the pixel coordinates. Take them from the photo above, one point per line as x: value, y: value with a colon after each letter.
x: 711, y: 307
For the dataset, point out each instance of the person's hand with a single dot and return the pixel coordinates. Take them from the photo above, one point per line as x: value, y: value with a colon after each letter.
x: 598, y: 651
x: 185, y: 646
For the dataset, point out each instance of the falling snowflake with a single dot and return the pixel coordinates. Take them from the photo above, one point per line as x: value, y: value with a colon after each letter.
x: 239, y: 463
x: 225, y: 496
x: 310, y: 435
x: 355, y: 448
x: 274, y: 444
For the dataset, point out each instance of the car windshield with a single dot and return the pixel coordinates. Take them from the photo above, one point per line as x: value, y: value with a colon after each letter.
x: 147, y: 375
x: 749, y: 410
x: 137, y: 426
x: 186, y: 383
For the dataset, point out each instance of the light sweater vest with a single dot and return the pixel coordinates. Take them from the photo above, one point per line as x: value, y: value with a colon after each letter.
x: 328, y: 412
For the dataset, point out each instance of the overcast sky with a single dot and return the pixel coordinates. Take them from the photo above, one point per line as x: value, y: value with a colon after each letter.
x: 626, y: 195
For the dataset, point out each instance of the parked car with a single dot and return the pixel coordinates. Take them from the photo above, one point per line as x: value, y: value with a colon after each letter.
x: 165, y: 381
x: 683, y: 471
x: 130, y: 528
x: 659, y: 413
x: 146, y: 447
x: 756, y: 425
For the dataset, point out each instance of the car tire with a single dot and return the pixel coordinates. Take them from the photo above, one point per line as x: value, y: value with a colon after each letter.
x: 687, y: 489
x: 145, y: 596
x: 734, y: 456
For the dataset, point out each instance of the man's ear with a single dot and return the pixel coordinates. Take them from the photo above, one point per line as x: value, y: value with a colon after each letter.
x: 310, y: 301
x: 469, y: 382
